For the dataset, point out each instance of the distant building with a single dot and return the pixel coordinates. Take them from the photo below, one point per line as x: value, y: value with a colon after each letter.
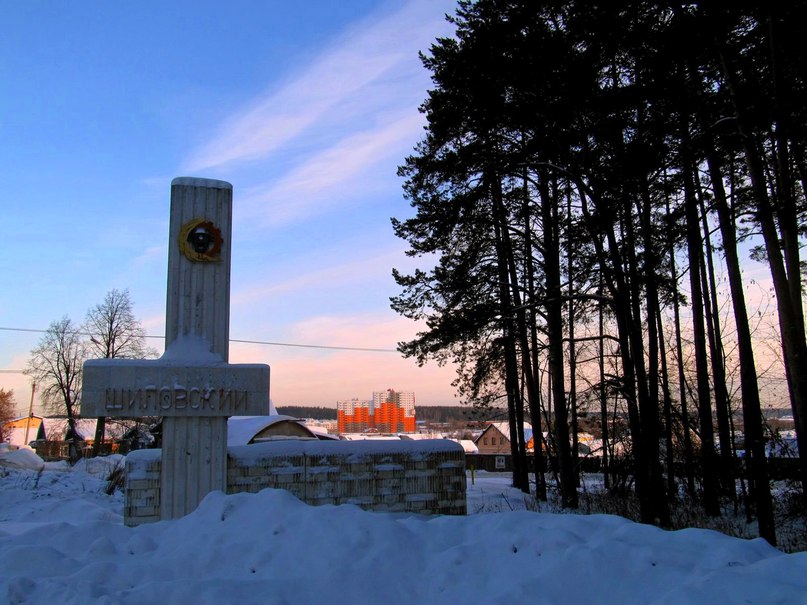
x: 389, y: 411
x: 353, y: 416
x: 327, y: 427
x: 394, y: 411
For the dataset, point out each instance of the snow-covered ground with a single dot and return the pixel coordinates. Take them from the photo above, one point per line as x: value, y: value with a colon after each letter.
x: 62, y: 540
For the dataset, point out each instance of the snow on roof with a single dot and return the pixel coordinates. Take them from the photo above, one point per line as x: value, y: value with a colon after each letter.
x: 17, y: 436
x: 318, y: 430
x: 590, y: 447
x: 23, y: 430
x: 369, y: 437
x: 504, y: 429
x: 421, y: 436
x: 243, y: 429
x: 56, y: 428
x: 469, y: 446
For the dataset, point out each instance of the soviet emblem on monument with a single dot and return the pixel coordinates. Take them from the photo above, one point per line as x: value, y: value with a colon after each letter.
x: 200, y: 241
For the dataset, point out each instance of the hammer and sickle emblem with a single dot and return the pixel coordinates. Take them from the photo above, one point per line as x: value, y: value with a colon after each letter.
x: 200, y: 241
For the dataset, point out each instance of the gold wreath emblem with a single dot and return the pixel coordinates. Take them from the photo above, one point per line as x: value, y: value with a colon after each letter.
x: 200, y: 241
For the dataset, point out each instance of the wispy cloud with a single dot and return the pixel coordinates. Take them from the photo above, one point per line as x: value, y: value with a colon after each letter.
x: 347, y: 77
x: 330, y: 176
x: 379, y: 330
x: 328, y: 137
x: 324, y: 276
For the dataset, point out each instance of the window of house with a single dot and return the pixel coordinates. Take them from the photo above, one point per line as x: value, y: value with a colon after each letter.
x: 501, y: 440
x: 484, y: 441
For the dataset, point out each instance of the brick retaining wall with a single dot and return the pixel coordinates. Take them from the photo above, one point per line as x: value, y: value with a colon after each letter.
x: 394, y: 476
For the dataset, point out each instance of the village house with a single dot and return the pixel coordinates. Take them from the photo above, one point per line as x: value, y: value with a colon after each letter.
x: 21, y: 431
x: 495, y: 438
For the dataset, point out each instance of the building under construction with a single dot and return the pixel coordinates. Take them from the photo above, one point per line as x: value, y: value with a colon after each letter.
x: 388, y: 412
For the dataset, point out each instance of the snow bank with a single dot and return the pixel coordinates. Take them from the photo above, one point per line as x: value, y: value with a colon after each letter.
x: 23, y: 458
x: 62, y: 541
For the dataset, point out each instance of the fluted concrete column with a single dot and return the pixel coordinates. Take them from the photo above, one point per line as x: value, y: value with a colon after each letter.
x: 192, y: 386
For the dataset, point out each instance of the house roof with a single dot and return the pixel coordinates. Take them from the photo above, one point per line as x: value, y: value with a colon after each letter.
x: 22, y: 436
x: 15, y: 431
x: 22, y: 422
x: 241, y: 430
x: 320, y: 431
x: 469, y: 446
x: 56, y: 428
x: 504, y: 429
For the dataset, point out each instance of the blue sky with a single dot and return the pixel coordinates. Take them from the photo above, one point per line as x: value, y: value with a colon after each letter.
x: 306, y: 108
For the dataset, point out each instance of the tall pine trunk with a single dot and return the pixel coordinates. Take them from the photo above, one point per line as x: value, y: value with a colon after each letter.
x: 650, y: 412
x: 554, y: 324
x: 717, y: 359
x: 786, y: 280
x: 603, y: 393
x: 529, y: 355
x: 611, y: 270
x: 515, y: 406
x: 572, y: 348
x: 689, y: 466
x: 708, y: 457
x: 755, y: 460
x: 667, y: 410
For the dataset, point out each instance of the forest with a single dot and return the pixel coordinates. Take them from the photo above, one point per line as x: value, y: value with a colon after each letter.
x: 315, y: 412
x: 594, y: 180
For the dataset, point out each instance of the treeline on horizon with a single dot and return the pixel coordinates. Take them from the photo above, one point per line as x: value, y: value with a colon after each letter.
x: 590, y: 176
x: 302, y: 411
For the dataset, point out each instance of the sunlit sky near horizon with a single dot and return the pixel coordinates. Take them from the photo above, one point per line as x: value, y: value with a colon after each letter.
x: 306, y: 108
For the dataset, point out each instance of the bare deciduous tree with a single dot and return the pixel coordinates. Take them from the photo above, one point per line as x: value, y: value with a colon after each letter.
x: 55, y: 366
x: 114, y: 332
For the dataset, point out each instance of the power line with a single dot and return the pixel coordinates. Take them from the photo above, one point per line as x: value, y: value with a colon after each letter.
x: 251, y: 342
x: 335, y: 348
x: 22, y: 330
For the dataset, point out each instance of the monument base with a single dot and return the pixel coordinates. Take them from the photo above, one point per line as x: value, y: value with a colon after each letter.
x: 426, y: 477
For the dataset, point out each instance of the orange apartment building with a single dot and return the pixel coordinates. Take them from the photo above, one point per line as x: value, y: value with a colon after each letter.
x: 389, y: 412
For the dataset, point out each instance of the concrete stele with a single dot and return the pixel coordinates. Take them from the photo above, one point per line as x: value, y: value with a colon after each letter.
x: 192, y: 386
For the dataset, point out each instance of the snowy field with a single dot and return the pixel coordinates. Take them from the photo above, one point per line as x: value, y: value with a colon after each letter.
x: 62, y: 540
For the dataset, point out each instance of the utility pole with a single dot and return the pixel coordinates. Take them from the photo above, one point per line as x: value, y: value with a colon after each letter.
x: 30, y: 413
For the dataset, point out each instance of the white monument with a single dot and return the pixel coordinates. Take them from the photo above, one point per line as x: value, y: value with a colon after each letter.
x: 192, y: 386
